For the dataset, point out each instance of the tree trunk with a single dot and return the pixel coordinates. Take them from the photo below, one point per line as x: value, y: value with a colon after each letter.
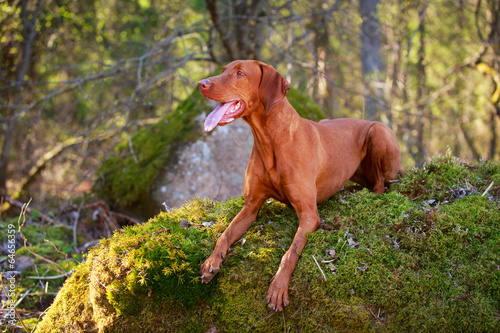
x: 495, y: 99
x: 373, y: 66
x: 241, y: 35
x: 220, y: 28
x: 421, y: 91
x: 29, y: 20
x: 470, y: 142
x: 493, y: 128
x: 322, y: 52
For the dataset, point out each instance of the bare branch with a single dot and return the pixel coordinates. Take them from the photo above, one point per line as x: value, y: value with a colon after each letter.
x: 20, y: 205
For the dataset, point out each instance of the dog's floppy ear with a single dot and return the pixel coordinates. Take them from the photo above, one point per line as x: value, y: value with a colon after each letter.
x: 273, y: 86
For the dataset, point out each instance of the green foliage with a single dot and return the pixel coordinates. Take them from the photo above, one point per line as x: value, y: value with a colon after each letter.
x: 122, y: 180
x: 60, y: 236
x: 51, y: 244
x: 168, y: 270
x: 441, y: 179
x: 401, y: 262
x: 126, y: 182
x: 304, y: 105
x: 66, y: 304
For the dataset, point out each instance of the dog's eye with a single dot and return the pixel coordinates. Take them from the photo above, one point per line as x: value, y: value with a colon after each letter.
x: 239, y: 73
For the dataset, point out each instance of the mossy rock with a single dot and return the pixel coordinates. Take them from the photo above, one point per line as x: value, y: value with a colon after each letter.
x: 414, y: 259
x: 126, y: 181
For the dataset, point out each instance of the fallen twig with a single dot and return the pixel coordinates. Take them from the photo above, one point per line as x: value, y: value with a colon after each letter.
x: 462, y: 297
x: 327, y: 261
x: 24, y: 209
x: 124, y: 217
x: 374, y: 315
x: 416, y: 198
x: 319, y: 267
x: 131, y: 147
x: 24, y: 311
x: 20, y: 205
x: 57, y: 250
x: 75, y: 225
x: 21, y: 298
x: 114, y: 215
x: 487, y: 190
x: 50, y: 277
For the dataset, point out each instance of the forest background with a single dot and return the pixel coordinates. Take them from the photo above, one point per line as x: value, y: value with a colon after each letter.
x: 78, y: 77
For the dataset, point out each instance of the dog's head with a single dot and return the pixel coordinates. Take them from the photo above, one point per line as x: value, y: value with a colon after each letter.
x: 245, y: 86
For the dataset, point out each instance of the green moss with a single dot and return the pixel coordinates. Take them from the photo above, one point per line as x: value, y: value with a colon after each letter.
x: 41, y: 239
x: 402, y: 263
x: 125, y: 182
x: 443, y: 178
x: 74, y: 304
x: 304, y: 105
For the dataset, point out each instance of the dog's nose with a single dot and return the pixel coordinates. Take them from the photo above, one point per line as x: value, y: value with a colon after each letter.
x: 204, y: 84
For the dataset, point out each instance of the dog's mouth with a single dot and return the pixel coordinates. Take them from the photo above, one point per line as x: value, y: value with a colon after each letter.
x: 224, y: 113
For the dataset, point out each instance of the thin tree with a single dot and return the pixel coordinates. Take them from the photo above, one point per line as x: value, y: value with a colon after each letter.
x: 239, y: 26
x: 373, y: 65
x: 15, y: 95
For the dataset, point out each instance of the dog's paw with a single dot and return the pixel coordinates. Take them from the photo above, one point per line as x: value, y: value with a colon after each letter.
x: 210, y: 268
x: 277, y: 295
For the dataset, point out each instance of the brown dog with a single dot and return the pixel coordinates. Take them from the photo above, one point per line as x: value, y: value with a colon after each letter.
x: 294, y: 160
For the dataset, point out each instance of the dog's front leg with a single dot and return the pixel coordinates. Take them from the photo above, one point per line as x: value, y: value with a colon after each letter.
x: 237, y: 228
x: 277, y: 295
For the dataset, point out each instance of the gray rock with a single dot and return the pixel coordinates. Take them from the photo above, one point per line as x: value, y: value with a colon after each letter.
x: 212, y: 167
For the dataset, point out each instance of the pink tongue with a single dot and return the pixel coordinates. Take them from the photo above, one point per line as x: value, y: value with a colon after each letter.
x: 216, y: 115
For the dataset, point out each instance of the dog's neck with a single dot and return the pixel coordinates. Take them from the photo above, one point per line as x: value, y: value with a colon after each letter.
x: 275, y: 127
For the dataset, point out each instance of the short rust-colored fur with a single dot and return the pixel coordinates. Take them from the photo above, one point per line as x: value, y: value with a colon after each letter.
x: 294, y: 160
